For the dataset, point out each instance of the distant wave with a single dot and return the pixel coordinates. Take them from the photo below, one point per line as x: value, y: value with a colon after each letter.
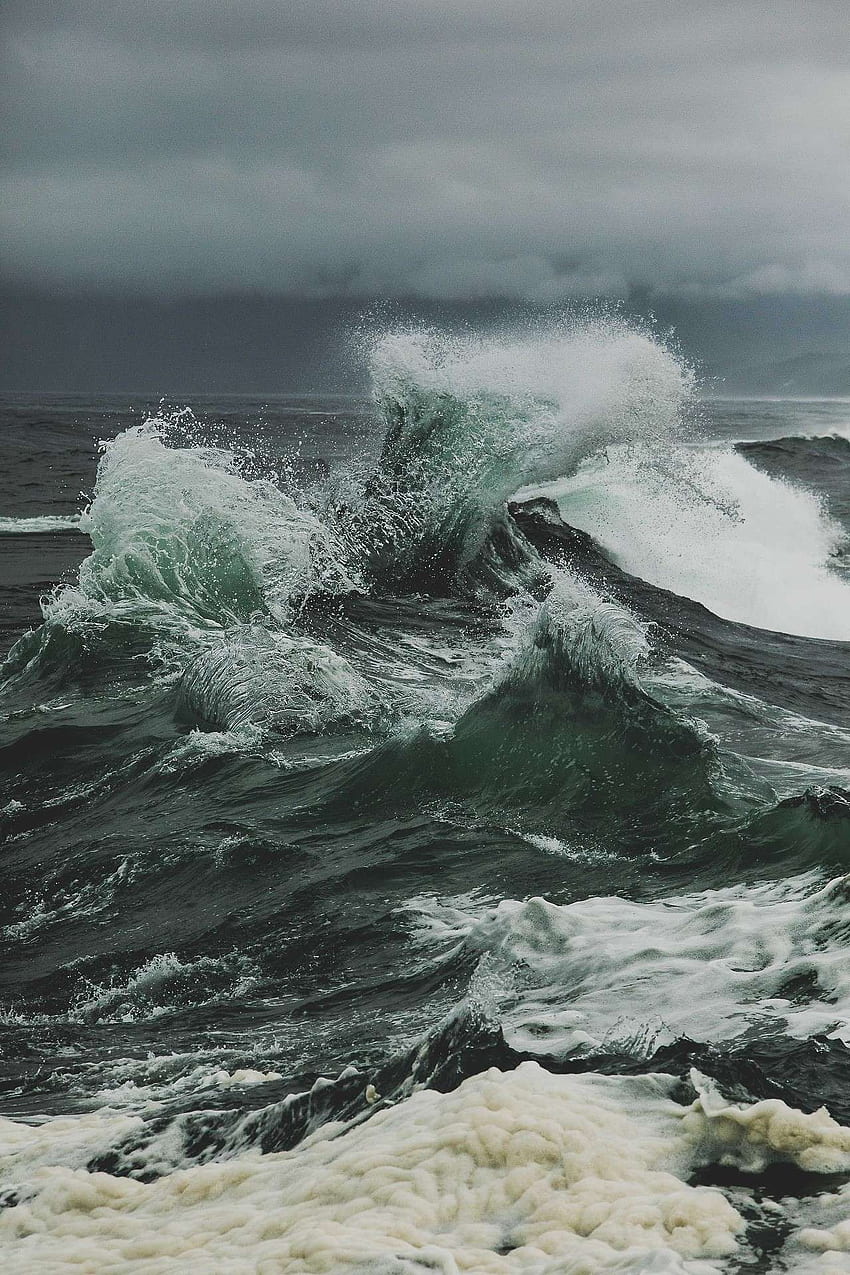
x: 40, y: 524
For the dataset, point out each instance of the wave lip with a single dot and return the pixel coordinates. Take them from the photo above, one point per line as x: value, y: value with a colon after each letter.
x: 586, y: 639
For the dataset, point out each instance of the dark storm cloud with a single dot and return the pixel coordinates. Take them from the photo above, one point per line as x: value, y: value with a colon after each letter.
x: 463, y: 149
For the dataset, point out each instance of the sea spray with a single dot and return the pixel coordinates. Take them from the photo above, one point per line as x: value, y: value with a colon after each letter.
x: 208, y: 876
x: 469, y: 420
x: 185, y: 544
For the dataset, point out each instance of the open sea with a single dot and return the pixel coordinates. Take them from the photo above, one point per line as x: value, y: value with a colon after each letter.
x: 425, y: 823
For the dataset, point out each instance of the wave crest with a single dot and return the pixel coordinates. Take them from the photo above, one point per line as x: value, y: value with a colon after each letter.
x: 184, y: 543
x: 469, y: 421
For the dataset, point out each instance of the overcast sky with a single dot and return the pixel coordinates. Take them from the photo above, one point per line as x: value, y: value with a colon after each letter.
x: 437, y: 148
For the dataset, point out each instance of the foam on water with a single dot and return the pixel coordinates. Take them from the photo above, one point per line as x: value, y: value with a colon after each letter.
x: 609, y: 973
x: 39, y: 524
x: 518, y: 1171
x: 820, y: 1240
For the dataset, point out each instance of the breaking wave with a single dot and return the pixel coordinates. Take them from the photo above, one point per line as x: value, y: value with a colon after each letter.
x: 710, y: 527
x: 628, y: 977
x: 184, y: 544
x: 467, y: 422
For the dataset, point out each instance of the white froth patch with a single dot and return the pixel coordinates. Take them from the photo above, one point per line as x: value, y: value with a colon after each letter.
x: 516, y: 1172
x: 750, y: 1137
x: 203, y: 1076
x: 575, y: 851
x: 820, y: 1244
x: 27, y: 1149
x: 39, y: 524
x: 592, y: 974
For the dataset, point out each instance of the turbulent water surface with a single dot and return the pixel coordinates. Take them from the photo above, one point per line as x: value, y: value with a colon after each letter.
x: 425, y: 823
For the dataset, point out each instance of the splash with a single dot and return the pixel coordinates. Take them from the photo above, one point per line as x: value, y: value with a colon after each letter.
x: 185, y: 544
x: 469, y: 420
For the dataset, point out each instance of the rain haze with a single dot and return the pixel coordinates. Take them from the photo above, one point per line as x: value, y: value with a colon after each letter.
x: 241, y: 181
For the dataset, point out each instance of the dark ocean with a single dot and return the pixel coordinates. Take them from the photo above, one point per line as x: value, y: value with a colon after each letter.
x: 424, y: 823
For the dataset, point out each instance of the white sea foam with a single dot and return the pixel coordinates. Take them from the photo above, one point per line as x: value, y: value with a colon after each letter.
x: 515, y: 1172
x: 28, y: 1149
x: 820, y: 1241
x: 608, y: 973
x: 201, y: 1078
x: 39, y: 524
x: 577, y: 850
x: 711, y: 527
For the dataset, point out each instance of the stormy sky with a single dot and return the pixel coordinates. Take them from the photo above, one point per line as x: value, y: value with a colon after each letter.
x: 446, y: 150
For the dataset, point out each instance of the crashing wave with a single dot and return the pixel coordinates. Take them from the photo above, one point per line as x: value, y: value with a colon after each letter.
x: 469, y: 421
x: 709, y: 526
x: 183, y: 543
x: 164, y: 983
x: 582, y: 638
x: 277, y: 681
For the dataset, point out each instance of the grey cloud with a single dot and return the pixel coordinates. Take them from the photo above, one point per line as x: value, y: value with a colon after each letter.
x: 463, y: 149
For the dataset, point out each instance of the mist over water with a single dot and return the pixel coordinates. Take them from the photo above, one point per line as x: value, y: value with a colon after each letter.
x: 425, y: 823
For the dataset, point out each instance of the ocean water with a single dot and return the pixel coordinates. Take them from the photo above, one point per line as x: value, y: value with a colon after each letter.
x: 426, y: 822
